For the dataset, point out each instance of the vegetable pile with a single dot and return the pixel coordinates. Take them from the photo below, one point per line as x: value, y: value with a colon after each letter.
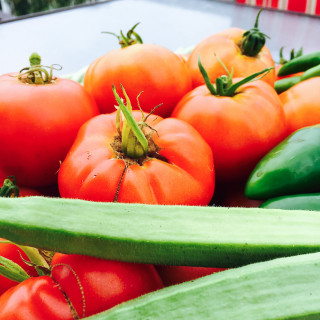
x: 154, y: 185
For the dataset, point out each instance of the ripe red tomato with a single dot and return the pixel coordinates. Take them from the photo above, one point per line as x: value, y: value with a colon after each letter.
x: 179, y: 171
x: 240, y: 129
x: 94, y: 284
x: 172, y: 275
x: 15, y: 254
x: 225, y: 46
x: 35, y: 299
x: 301, y: 104
x: 38, y: 125
x: 158, y: 72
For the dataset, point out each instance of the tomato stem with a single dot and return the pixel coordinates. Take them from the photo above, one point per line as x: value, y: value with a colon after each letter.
x: 133, y: 141
x: 127, y: 40
x: 253, y: 40
x: 37, y: 73
x: 9, y: 188
x: 224, y: 85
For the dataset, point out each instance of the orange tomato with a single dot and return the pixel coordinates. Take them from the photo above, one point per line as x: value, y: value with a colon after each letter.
x: 225, y: 45
x: 301, y: 104
x: 240, y: 129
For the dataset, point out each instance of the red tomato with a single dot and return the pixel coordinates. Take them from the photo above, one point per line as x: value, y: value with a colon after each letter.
x: 240, y: 129
x: 180, y: 172
x: 35, y: 299
x: 38, y: 125
x: 158, y: 72
x: 172, y: 275
x: 94, y: 284
x: 301, y: 104
x: 225, y: 46
x: 15, y: 254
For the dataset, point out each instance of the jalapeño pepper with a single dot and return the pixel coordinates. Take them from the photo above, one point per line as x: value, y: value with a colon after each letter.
x: 292, y: 167
x: 295, y: 202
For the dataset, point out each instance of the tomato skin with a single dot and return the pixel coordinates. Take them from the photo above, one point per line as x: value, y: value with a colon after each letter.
x: 35, y: 299
x: 301, y: 104
x: 15, y: 254
x: 172, y: 275
x: 39, y: 124
x: 159, y: 73
x: 239, y: 129
x: 91, y: 172
x: 225, y: 46
x: 94, y: 284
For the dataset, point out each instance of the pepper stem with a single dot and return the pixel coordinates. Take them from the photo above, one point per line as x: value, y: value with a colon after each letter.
x: 9, y: 188
x: 127, y: 40
x: 293, y: 55
x: 253, y: 40
x: 224, y: 85
x: 133, y: 141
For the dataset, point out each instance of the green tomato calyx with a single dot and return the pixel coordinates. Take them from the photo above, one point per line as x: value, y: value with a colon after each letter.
x: 253, y: 40
x: 9, y: 188
x: 37, y: 73
x: 134, y: 142
x: 130, y: 39
x: 224, y: 85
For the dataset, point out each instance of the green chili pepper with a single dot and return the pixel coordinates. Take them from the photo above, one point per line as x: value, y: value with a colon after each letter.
x: 292, y: 167
x: 299, y: 64
x: 295, y: 202
x: 286, y: 83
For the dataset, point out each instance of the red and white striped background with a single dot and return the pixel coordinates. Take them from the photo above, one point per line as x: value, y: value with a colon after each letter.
x: 303, y: 6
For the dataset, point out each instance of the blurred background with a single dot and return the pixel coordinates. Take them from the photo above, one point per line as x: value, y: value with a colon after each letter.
x: 12, y: 9
x: 69, y: 32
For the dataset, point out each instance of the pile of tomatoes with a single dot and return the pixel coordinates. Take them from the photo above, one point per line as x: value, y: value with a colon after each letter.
x: 148, y: 126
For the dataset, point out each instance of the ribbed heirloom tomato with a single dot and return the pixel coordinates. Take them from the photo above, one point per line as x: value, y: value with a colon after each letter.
x: 169, y: 163
x: 78, y: 286
x: 242, y: 51
x: 39, y: 118
x: 241, y: 122
x: 158, y: 72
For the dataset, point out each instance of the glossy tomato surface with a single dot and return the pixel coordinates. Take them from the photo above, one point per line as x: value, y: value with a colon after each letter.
x: 35, y: 299
x: 181, y: 171
x: 240, y: 129
x: 225, y: 46
x: 38, y: 125
x: 301, y: 104
x: 162, y: 76
x: 94, y: 284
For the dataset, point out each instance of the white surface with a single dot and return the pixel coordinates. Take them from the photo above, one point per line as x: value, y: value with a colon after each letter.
x: 73, y: 38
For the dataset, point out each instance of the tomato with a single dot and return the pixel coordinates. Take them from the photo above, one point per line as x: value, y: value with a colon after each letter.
x: 177, y: 170
x: 38, y: 125
x: 172, y: 275
x: 158, y: 72
x: 240, y: 129
x: 35, y: 299
x: 15, y: 254
x: 94, y: 284
x: 225, y: 45
x: 301, y: 104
